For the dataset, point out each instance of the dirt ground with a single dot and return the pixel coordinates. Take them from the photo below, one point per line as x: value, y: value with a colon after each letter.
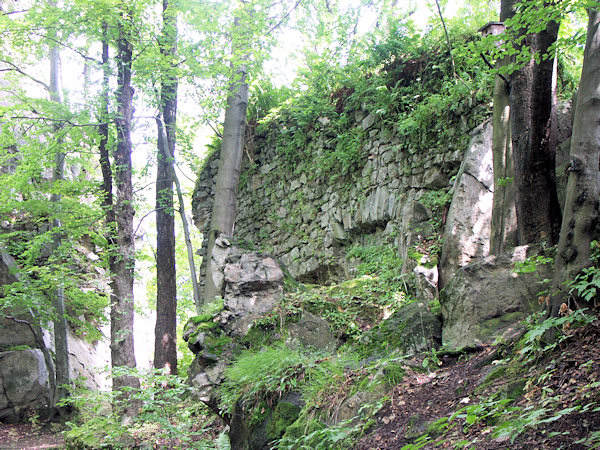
x: 26, y: 436
x: 422, y: 398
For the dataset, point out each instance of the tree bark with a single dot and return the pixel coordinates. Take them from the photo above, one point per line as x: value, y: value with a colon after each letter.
x: 538, y: 211
x: 61, y: 343
x: 188, y: 245
x: 122, y: 311
x: 581, y: 215
x: 228, y: 175
x: 504, y: 222
x: 165, y: 332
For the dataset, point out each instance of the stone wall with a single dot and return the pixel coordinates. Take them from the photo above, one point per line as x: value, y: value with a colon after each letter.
x: 307, y: 219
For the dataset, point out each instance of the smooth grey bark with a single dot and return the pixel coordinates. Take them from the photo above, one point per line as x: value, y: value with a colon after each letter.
x: 61, y: 344
x: 581, y: 214
x: 228, y: 175
x: 504, y: 221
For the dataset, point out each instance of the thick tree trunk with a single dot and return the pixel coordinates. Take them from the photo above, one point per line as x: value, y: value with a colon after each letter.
x: 581, y: 215
x: 165, y: 332
x: 538, y: 211
x: 122, y: 312
x: 504, y: 222
x: 228, y: 175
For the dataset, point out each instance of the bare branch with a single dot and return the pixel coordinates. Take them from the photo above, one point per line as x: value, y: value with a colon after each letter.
x: 63, y: 121
x: 285, y: 16
x: 219, y: 134
x: 17, y: 69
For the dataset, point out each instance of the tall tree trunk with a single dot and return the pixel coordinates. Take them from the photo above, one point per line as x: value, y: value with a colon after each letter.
x: 122, y: 311
x: 581, y: 215
x: 538, y: 211
x: 165, y: 333
x: 228, y: 175
x: 504, y: 221
x: 61, y: 345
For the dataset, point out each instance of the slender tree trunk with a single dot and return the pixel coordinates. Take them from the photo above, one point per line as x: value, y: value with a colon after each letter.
x: 228, y: 175
x: 165, y: 343
x: 581, y: 215
x: 188, y: 245
x: 538, y: 211
x: 61, y: 345
x: 122, y: 311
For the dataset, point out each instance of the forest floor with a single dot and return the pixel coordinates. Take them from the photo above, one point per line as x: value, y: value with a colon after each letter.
x: 555, y: 389
x: 549, y: 410
x: 30, y: 437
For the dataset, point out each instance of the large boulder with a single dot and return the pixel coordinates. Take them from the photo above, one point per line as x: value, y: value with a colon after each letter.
x: 311, y: 331
x: 467, y: 231
x: 253, y: 287
x: 484, y: 299
x: 413, y: 328
x: 23, y: 383
x: 15, y: 334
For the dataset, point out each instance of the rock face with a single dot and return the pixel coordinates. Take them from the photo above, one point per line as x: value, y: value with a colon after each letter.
x: 23, y: 383
x: 467, y: 231
x: 487, y: 297
x: 252, y: 286
x: 413, y: 328
x: 19, y: 347
x: 307, y: 219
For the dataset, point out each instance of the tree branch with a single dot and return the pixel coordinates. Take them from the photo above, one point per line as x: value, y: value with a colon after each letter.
x: 17, y: 69
x: 489, y: 64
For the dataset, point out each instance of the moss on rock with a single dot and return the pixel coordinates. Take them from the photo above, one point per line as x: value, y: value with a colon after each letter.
x: 284, y: 415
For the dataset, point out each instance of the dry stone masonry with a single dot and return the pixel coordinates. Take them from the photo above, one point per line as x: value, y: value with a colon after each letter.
x: 307, y: 219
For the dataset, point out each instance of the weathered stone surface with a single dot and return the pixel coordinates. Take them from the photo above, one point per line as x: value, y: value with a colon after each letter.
x: 467, y: 231
x: 487, y: 297
x: 253, y: 286
x: 312, y: 331
x: 23, y: 383
x: 14, y: 334
x: 350, y: 407
x: 413, y: 328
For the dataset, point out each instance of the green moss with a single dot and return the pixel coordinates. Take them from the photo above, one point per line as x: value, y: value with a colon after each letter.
x: 17, y: 348
x: 284, y: 415
x: 490, y: 327
x: 216, y: 344
x: 496, y: 373
x: 206, y: 326
x: 514, y: 389
x: 258, y: 415
x: 207, y: 317
x: 302, y: 428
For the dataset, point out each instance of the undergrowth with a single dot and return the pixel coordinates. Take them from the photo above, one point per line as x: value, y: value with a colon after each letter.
x: 167, y: 415
x: 519, y: 396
